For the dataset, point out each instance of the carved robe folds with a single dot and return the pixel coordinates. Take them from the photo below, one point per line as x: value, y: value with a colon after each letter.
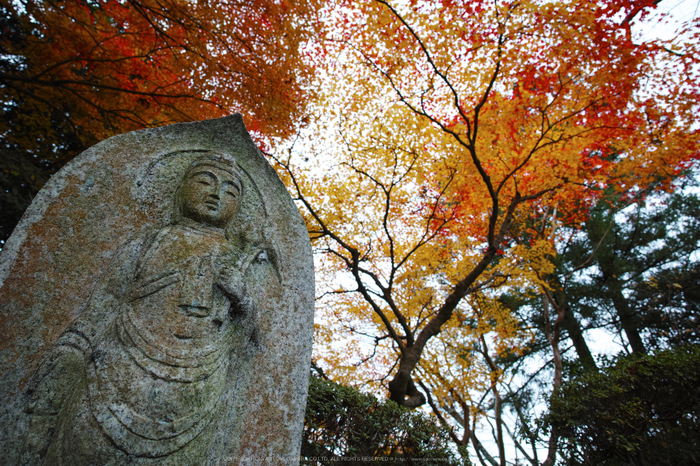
x: 156, y: 375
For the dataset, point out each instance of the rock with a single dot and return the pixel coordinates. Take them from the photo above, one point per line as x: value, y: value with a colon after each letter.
x: 156, y: 303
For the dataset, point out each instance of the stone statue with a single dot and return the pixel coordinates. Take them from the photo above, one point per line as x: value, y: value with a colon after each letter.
x: 151, y: 380
x: 171, y: 358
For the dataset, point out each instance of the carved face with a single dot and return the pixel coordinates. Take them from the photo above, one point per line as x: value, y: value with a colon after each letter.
x: 210, y: 195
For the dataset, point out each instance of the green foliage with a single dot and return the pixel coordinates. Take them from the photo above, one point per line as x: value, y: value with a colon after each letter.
x: 346, y: 426
x: 643, y: 269
x: 637, y: 411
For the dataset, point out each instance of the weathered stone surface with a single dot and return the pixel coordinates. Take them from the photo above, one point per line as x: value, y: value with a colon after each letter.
x: 156, y: 307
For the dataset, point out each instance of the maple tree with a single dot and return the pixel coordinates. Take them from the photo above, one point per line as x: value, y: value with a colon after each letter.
x: 463, y: 135
x: 73, y: 73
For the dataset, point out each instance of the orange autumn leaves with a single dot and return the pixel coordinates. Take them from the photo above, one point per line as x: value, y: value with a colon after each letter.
x: 463, y: 128
x: 110, y: 66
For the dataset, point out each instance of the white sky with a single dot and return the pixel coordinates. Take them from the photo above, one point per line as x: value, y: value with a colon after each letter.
x: 677, y: 11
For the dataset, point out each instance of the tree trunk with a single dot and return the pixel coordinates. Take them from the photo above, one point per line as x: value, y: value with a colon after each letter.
x: 573, y: 329
x: 628, y: 319
x: 553, y: 333
x: 572, y: 326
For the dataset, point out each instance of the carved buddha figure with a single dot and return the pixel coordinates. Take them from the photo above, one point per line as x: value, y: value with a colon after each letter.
x: 152, y: 378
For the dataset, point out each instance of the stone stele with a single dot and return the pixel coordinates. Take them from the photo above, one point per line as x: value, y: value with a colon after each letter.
x: 156, y: 304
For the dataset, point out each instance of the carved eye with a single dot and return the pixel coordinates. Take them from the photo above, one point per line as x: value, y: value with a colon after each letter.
x: 231, y: 193
x: 204, y: 178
